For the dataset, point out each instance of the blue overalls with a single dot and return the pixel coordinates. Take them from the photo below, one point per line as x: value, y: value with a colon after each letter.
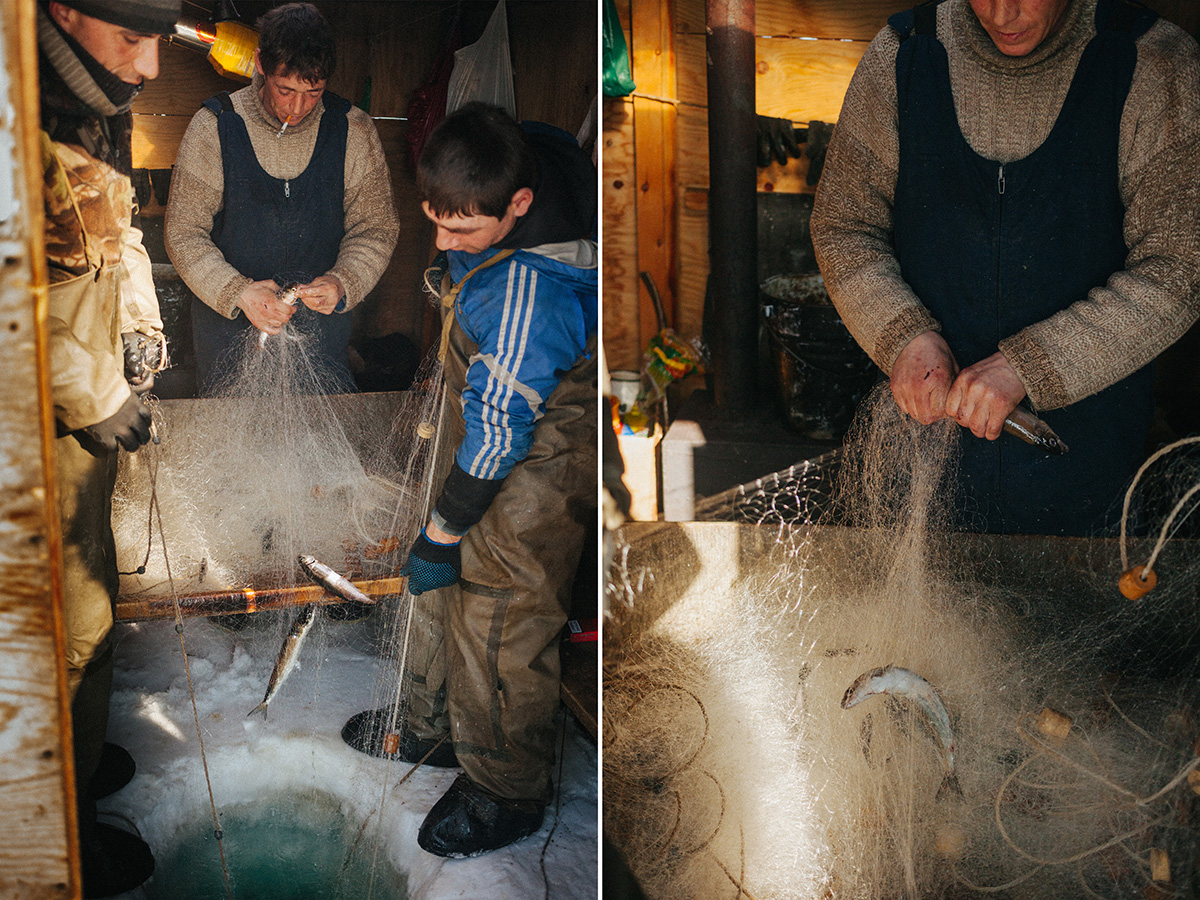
x: 992, y: 248
x: 289, y: 230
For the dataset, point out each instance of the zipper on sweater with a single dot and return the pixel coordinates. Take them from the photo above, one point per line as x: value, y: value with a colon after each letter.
x: 287, y: 188
x: 1000, y: 179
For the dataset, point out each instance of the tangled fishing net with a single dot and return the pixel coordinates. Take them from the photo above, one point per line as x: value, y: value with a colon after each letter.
x: 235, y: 488
x: 731, y: 768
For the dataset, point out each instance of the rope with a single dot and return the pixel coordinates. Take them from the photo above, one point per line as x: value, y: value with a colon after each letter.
x: 1162, y: 537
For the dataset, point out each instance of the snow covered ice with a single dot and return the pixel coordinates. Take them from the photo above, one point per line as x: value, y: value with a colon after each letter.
x: 295, y: 759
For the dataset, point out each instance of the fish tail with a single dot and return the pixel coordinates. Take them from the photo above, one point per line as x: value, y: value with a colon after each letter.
x: 949, y: 785
x: 262, y: 706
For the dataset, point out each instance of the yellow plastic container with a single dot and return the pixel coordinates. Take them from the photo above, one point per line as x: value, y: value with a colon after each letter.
x: 232, y: 52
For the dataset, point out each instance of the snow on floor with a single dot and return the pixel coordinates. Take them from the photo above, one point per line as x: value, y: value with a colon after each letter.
x: 298, y: 750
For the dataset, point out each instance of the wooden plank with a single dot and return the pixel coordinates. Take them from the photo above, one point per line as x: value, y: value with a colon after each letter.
x: 803, y: 80
x: 39, y: 857
x: 554, y: 45
x: 239, y: 601
x: 622, y: 330
x: 655, y: 149
x: 854, y: 20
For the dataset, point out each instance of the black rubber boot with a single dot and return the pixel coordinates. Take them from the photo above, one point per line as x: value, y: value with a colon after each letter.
x: 113, y: 861
x: 470, y: 820
x: 116, y: 770
x: 367, y: 732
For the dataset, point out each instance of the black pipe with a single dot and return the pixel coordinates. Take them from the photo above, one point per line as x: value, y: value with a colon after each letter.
x: 732, y: 204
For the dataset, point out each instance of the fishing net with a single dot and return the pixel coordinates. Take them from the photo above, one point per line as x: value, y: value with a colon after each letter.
x: 732, y: 769
x: 210, y: 520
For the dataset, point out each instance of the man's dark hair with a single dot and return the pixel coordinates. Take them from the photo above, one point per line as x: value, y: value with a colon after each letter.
x: 474, y: 162
x: 297, y: 37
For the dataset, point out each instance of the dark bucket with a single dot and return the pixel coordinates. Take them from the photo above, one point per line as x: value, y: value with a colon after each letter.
x: 822, y: 373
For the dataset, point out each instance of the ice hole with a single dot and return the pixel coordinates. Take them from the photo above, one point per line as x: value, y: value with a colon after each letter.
x: 283, y: 846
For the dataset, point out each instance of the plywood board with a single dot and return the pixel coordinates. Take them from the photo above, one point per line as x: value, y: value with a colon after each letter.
x: 621, y: 322
x: 39, y: 856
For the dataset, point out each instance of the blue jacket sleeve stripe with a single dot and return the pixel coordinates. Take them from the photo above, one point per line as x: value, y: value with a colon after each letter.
x: 498, y: 392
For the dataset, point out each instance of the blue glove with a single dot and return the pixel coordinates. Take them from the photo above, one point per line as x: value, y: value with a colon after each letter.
x: 431, y: 565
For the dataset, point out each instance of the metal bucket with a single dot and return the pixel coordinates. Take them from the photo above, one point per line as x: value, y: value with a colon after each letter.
x: 821, y: 371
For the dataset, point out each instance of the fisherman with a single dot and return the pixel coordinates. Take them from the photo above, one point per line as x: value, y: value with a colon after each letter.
x: 281, y: 181
x: 106, y: 342
x: 515, y: 212
x: 1009, y: 210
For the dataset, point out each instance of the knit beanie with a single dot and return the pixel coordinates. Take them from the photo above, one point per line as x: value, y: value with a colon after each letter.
x: 145, y: 16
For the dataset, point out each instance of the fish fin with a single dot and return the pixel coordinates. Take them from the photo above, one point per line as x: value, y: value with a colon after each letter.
x: 262, y: 706
x: 949, y: 785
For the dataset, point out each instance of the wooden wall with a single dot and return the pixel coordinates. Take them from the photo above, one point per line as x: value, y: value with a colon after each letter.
x: 394, y: 44
x: 656, y: 188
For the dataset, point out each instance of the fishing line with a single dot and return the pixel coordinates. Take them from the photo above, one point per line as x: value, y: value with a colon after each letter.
x: 156, y: 515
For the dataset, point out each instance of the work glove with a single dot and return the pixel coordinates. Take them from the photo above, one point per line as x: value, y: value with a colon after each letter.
x: 128, y: 427
x: 144, y: 356
x: 776, y: 141
x: 431, y: 565
x: 819, y: 134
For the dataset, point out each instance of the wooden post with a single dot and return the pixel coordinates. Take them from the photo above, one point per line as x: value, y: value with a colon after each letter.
x: 39, y: 855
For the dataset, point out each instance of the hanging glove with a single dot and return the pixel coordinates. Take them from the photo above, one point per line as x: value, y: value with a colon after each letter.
x: 776, y: 141
x: 145, y: 355
x: 815, y: 146
x: 128, y: 427
x: 431, y: 565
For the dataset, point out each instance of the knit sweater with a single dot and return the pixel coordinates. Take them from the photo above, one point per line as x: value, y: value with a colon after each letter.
x: 198, y: 186
x: 1006, y: 107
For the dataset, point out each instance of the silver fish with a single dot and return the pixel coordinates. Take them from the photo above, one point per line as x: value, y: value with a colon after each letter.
x: 286, y: 294
x: 902, y: 683
x: 288, y: 654
x: 332, y: 581
x: 1032, y: 430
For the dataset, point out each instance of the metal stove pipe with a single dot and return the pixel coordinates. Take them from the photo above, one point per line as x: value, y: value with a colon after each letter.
x: 732, y: 204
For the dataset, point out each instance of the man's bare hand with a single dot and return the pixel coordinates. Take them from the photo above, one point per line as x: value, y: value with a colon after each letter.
x: 263, y: 308
x: 984, y: 394
x: 322, y: 294
x: 922, y: 375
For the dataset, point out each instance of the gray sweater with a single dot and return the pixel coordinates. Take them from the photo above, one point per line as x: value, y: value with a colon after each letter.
x: 198, y: 186
x: 1006, y: 108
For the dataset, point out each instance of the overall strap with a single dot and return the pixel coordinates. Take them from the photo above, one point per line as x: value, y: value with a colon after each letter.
x: 452, y: 295
x: 219, y: 103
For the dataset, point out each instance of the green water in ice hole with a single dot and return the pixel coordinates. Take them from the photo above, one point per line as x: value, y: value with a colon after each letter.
x: 280, y: 847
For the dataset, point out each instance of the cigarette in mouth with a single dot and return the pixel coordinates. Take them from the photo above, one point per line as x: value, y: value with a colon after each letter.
x: 286, y: 123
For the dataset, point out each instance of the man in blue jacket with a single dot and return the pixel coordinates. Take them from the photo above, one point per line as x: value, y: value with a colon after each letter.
x: 515, y: 211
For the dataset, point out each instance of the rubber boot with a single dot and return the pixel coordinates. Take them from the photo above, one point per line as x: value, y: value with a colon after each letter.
x: 367, y: 732
x: 470, y: 820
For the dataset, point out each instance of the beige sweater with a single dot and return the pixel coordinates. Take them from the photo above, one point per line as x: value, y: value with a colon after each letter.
x: 197, y: 192
x: 1006, y: 108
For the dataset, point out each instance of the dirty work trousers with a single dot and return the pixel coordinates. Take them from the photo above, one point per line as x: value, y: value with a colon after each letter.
x: 483, y: 655
x: 85, y: 488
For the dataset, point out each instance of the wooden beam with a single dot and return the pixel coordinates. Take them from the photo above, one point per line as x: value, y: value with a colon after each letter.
x: 39, y: 856
x: 244, y: 600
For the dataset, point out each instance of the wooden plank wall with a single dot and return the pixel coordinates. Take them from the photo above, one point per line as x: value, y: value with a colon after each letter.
x: 553, y: 49
x: 806, y: 52
x: 39, y: 856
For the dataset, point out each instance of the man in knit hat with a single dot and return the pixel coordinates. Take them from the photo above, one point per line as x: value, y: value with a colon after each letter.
x: 105, y: 344
x: 281, y: 181
x: 1009, y: 211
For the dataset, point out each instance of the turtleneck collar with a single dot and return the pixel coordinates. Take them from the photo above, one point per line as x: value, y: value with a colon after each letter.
x: 1077, y: 16
x: 94, y: 86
